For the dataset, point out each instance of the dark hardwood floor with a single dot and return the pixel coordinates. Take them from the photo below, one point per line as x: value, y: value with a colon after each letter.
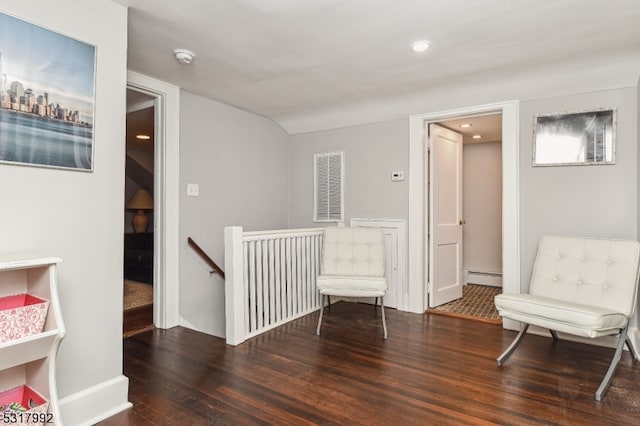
x: 137, y: 320
x: 432, y: 369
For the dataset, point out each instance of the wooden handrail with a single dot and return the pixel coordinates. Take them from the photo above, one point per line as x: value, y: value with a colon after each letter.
x: 215, y: 269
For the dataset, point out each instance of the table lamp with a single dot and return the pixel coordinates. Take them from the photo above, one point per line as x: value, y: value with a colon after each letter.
x: 140, y: 202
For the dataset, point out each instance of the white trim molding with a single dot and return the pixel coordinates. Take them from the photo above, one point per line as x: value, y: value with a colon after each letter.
x: 167, y: 159
x: 510, y: 198
x: 106, y: 398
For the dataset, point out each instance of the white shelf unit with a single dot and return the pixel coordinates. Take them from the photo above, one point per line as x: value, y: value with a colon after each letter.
x: 31, y: 360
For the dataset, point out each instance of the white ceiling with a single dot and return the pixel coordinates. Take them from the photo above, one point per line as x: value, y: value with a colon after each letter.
x: 301, y: 62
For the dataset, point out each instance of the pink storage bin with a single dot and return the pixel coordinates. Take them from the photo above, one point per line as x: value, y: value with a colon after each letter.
x: 21, y: 403
x: 21, y: 315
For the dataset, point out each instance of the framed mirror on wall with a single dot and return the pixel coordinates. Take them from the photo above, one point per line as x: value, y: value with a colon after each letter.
x: 574, y: 138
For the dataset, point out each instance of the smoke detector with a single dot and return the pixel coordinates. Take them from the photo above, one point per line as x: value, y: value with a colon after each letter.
x: 184, y: 56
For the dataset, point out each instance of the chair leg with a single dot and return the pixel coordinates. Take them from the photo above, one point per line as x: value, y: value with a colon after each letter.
x: 554, y: 334
x: 602, y: 389
x: 513, y: 346
x: 321, y: 311
x: 384, y: 322
x: 634, y: 358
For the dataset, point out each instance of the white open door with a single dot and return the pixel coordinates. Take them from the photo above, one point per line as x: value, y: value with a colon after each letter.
x: 445, y: 219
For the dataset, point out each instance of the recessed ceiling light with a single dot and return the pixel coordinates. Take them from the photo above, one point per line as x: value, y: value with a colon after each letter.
x: 143, y: 137
x: 465, y: 125
x: 420, y: 46
x: 477, y: 136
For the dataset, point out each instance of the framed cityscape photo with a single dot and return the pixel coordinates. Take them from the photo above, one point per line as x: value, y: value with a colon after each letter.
x: 47, y: 86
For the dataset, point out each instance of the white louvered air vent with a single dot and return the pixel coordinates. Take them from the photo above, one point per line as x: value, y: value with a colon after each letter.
x: 328, y: 177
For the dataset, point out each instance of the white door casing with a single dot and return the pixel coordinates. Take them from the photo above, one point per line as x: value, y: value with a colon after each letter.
x: 416, y: 287
x: 166, y: 199
x: 445, y: 218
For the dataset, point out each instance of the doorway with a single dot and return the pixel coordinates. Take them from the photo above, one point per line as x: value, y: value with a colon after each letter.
x: 417, y: 282
x: 464, y: 215
x: 139, y: 259
x: 166, y: 255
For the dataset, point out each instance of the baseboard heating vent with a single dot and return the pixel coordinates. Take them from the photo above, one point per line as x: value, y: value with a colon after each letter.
x: 493, y: 279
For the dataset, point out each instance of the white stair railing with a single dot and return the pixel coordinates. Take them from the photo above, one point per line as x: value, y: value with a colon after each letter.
x: 270, y: 279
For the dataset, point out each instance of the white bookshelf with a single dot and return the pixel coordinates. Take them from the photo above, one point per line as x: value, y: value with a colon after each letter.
x: 30, y: 360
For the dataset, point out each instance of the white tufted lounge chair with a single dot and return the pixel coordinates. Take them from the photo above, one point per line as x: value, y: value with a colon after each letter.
x: 581, y: 286
x: 352, y: 266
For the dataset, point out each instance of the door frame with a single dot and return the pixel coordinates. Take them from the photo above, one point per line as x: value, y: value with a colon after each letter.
x: 510, y: 198
x: 166, y: 245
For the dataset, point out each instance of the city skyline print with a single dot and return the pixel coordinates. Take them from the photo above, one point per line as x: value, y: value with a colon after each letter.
x: 47, y: 93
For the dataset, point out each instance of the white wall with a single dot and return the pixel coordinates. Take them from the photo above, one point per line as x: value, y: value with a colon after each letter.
x: 482, y: 206
x: 239, y: 160
x: 579, y: 200
x: 77, y: 216
x: 372, y: 153
x: 583, y: 200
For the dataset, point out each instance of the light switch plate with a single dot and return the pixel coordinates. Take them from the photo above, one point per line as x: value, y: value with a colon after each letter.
x: 193, y: 189
x: 397, y: 176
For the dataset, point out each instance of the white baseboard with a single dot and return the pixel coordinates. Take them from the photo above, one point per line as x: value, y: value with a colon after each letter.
x: 479, y: 277
x: 183, y: 322
x: 94, y: 404
x: 509, y: 324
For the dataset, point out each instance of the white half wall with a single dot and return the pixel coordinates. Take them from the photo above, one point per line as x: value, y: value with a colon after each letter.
x: 77, y: 216
x: 239, y: 161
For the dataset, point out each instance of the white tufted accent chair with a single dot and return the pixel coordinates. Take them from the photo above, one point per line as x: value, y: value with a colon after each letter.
x: 352, y: 266
x: 581, y: 286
